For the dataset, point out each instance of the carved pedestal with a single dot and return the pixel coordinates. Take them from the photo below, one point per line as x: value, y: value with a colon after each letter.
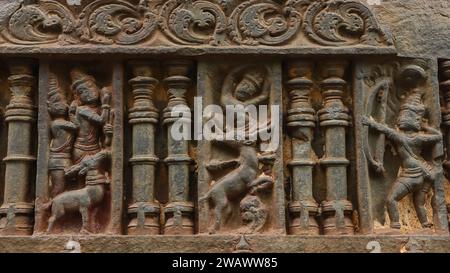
x: 334, y: 119
x: 180, y: 210
x: 303, y: 208
x: 144, y: 211
x: 17, y: 210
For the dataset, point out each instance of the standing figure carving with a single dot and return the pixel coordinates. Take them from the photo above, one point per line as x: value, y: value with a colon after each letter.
x: 410, y: 138
x: 62, y: 137
x: 83, y: 156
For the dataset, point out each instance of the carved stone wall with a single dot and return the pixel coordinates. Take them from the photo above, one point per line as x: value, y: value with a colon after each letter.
x: 115, y: 121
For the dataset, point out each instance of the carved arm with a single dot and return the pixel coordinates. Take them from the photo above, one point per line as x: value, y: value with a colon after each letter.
x: 382, y: 128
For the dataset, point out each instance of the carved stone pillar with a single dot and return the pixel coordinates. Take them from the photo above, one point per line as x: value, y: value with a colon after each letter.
x: 334, y: 119
x: 301, y: 122
x: 143, y: 116
x: 445, y: 88
x: 17, y: 208
x: 179, y: 211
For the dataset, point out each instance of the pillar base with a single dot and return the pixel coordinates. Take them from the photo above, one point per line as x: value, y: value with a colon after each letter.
x: 337, y: 216
x: 145, y: 219
x: 179, y: 218
x: 16, y: 219
x: 300, y: 223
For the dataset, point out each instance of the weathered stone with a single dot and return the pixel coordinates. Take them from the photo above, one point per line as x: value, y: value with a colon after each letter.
x: 116, y: 121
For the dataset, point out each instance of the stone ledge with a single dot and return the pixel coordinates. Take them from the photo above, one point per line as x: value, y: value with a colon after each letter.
x: 224, y: 244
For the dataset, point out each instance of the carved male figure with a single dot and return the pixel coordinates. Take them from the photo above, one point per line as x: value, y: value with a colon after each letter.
x: 244, y: 86
x: 62, y: 133
x: 409, y: 138
x: 88, y: 153
x: 88, y: 117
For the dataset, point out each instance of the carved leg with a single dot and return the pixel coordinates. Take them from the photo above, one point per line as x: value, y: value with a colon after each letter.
x: 58, y: 182
x: 85, y: 220
x: 419, y: 199
x: 398, y: 192
x: 219, y: 209
x: 51, y: 222
x: 57, y: 212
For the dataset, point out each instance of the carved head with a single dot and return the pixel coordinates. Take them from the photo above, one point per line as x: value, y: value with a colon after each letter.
x: 250, y: 84
x: 412, y: 112
x: 52, y: 22
x: 85, y: 87
x: 57, y: 104
x: 413, y: 74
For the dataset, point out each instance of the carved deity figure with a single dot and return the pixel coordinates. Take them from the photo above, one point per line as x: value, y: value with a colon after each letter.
x: 62, y: 137
x: 410, y: 138
x: 243, y: 86
x: 89, y: 150
x: 87, y: 115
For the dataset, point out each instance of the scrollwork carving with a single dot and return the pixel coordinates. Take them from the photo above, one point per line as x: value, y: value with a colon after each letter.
x: 46, y: 22
x: 264, y: 22
x: 109, y: 22
x: 343, y: 23
x: 193, y: 22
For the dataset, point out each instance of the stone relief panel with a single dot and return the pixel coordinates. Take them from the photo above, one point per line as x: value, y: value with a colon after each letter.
x: 75, y: 195
x: 125, y: 117
x: 240, y: 184
x: 402, y: 146
x: 193, y: 22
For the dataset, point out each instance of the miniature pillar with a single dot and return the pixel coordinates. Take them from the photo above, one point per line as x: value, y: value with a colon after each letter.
x: 334, y: 118
x: 445, y: 87
x: 17, y: 208
x: 144, y: 212
x: 179, y: 211
x: 301, y: 122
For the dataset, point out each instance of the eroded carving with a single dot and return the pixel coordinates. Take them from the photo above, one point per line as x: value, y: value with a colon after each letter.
x: 264, y: 22
x: 236, y: 197
x: 343, y: 23
x: 301, y: 121
x: 85, y: 158
x: 414, y: 141
x: 109, y: 22
x: 17, y: 208
x: 195, y: 22
x: 46, y: 22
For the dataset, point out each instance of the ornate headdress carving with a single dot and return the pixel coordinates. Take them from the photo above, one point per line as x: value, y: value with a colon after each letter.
x: 78, y: 77
x: 414, y: 103
x: 55, y: 94
x: 255, y: 76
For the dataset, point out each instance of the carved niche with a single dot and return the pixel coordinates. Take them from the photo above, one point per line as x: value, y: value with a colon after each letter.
x: 403, y: 147
x: 74, y: 195
x: 240, y: 185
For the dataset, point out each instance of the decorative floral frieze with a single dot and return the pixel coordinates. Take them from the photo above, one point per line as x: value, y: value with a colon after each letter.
x: 193, y: 22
